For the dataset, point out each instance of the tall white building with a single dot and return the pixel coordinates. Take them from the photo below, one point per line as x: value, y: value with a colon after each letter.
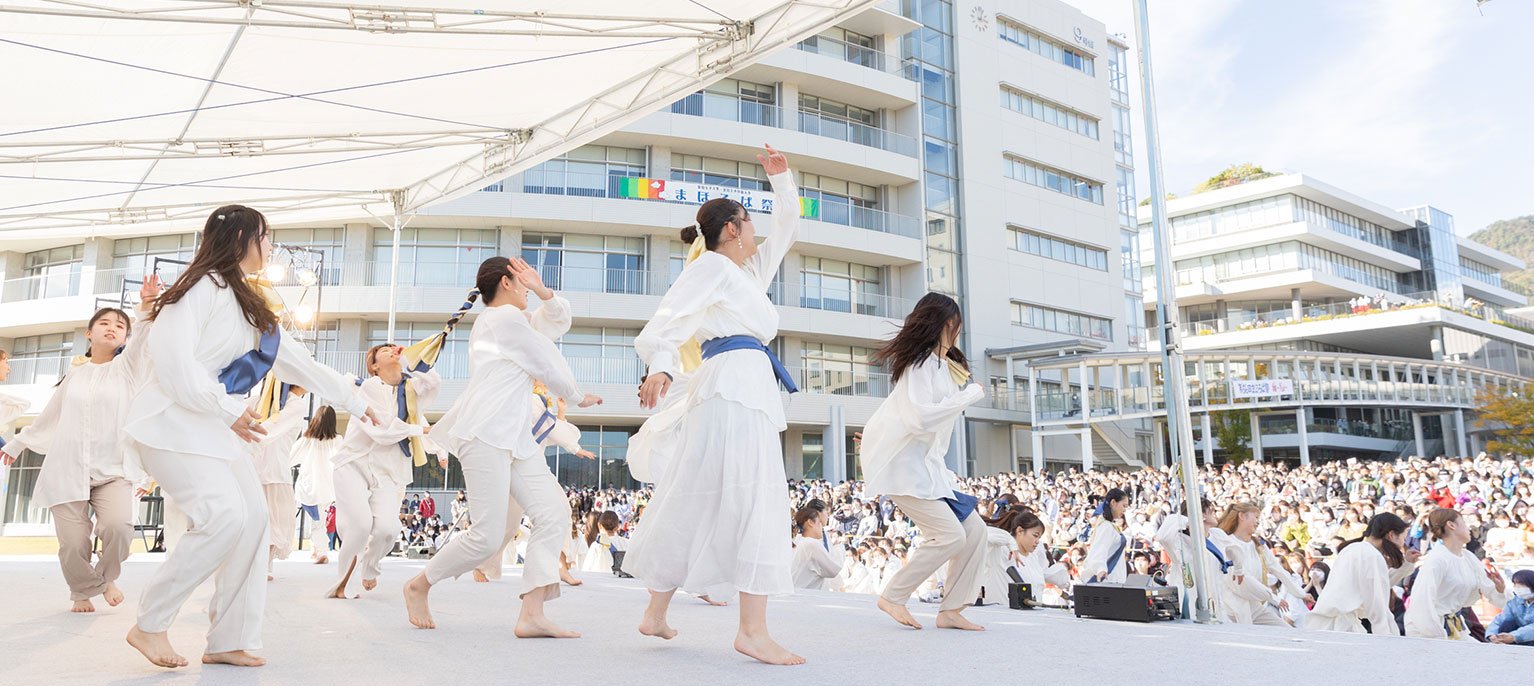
x: 979, y: 151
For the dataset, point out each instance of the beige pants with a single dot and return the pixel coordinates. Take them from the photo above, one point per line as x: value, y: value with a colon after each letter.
x: 944, y: 539
x: 112, y: 503
x: 367, y: 518
x: 501, y: 491
x: 280, y: 507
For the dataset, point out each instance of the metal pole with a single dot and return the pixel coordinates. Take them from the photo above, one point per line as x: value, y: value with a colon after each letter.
x: 397, y: 199
x: 1179, y: 429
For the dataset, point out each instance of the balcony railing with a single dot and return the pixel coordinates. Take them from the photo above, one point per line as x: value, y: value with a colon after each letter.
x: 857, y: 383
x: 728, y: 107
x: 842, y: 128
x: 1247, y: 321
x: 36, y: 370
x: 86, y: 282
x: 860, y: 55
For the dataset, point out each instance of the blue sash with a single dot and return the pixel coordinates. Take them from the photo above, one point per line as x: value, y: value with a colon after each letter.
x: 403, y: 410
x: 549, y: 419
x: 715, y: 346
x: 1114, y: 559
x: 1224, y: 564
x: 824, y: 540
x: 247, y: 370
x: 2, y: 442
x: 962, y: 505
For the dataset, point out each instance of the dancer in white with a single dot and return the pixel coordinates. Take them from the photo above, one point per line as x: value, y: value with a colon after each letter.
x: 1449, y: 579
x: 214, y: 338
x: 603, y: 542
x: 273, y: 456
x: 1105, y: 550
x: 497, y: 441
x: 375, y: 464
x: 816, y: 567
x: 1358, y: 587
x: 1247, y: 598
x: 1023, y: 530
x: 315, y: 489
x: 551, y: 432
x: 90, y: 468
x: 1175, y: 539
x: 903, y: 449
x: 730, y: 463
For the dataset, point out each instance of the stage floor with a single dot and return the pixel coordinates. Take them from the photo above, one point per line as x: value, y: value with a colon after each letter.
x: 313, y: 640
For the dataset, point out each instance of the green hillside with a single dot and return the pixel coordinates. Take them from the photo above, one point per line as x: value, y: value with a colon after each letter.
x: 1515, y: 237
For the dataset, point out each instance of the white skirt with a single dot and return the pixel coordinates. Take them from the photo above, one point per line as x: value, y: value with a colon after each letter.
x: 719, y: 522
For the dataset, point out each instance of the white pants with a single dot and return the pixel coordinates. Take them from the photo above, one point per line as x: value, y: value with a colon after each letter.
x: 226, y: 538
x: 367, y: 519
x: 501, y: 491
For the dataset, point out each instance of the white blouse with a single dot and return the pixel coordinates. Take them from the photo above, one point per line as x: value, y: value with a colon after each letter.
x: 11, y: 407
x: 1105, y: 540
x: 80, y: 429
x: 316, y: 470
x: 508, y: 350
x: 182, y: 407
x: 1446, y: 582
x: 273, y: 453
x: 814, y: 567
x: 1358, y: 587
x: 907, y: 437
x: 714, y: 298
x: 377, y: 447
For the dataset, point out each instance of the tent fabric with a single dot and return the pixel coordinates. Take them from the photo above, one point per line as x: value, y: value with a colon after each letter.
x: 142, y: 115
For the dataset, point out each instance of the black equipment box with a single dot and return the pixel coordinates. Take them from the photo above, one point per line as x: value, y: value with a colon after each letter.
x: 1125, y: 602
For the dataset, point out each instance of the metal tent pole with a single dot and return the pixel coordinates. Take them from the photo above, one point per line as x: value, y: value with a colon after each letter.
x: 397, y: 199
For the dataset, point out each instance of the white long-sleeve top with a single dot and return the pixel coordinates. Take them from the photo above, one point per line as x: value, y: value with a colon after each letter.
x: 1446, y: 582
x: 316, y: 483
x: 907, y: 437
x: 999, y: 548
x: 1037, y: 571
x: 508, y: 350
x: 1248, y: 587
x: 1357, y: 588
x: 714, y: 298
x: 11, y: 407
x: 1106, y: 539
x: 182, y: 407
x: 814, y: 567
x: 273, y: 454
x: 377, y: 447
x: 80, y: 429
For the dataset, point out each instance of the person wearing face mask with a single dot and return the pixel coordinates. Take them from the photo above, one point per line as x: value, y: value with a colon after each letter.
x: 89, y: 469
x: 1515, y: 625
x: 1449, y: 579
x: 1356, y: 597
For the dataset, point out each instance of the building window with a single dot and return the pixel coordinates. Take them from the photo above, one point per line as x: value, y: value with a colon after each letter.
x: 846, y: 45
x: 433, y: 257
x: 735, y: 100
x: 1123, y: 142
x: 602, y: 355
x: 1484, y: 273
x: 1284, y: 256
x: 132, y: 258
x: 1048, y: 48
x: 847, y: 203
x: 719, y: 172
x: 40, y: 359
x: 1118, y: 73
x: 591, y: 171
x: 53, y: 273
x: 452, y: 362
x: 609, y: 470
x: 842, y: 370
x: 330, y: 242
x: 1070, y: 252
x: 1049, y: 112
x: 1061, y: 321
x: 1035, y: 174
x: 589, y: 264
x: 842, y: 287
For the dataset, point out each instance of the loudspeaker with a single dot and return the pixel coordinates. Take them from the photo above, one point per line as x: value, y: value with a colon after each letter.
x: 1125, y: 602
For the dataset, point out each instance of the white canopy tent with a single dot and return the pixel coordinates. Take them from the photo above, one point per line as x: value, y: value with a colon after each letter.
x: 140, y: 116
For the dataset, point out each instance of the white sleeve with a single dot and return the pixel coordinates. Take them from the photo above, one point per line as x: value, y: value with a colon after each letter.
x: 680, y: 314
x: 392, y: 429
x: 821, y: 562
x: 1422, y: 619
x: 172, y: 346
x: 1099, y: 549
x: 426, y: 385
x: 295, y: 366
x: 38, y: 437
x: 785, y: 230
x: 517, y: 342
x: 925, y: 416
x: 552, y: 318
x: 1375, y: 603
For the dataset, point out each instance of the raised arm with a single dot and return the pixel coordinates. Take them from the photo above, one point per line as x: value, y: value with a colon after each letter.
x: 785, y: 219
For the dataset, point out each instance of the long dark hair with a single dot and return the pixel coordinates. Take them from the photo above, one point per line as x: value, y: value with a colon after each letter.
x: 1382, y: 526
x: 323, y: 426
x: 922, y: 331
x: 488, y: 281
x: 225, y: 239
x: 1015, y: 519
x: 711, y: 219
x: 1112, y: 496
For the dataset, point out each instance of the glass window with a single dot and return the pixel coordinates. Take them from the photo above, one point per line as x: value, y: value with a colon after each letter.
x: 1048, y: 48
x: 593, y: 171
x: 433, y: 257
x: 132, y: 258
x: 1049, y: 112
x: 52, y: 273
x: 585, y: 263
x: 330, y: 242
x: 41, y: 360
x: 1035, y: 174
x: 1061, y: 321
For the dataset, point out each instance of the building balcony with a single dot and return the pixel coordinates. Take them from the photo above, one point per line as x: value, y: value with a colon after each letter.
x: 1496, y: 294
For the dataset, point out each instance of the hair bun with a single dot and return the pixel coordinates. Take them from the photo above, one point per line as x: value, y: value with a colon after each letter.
x: 690, y: 233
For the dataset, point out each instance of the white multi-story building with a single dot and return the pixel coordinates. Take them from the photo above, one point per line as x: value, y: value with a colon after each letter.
x: 1006, y: 183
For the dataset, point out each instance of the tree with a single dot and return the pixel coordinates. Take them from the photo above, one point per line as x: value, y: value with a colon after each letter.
x: 1233, y: 431
x: 1233, y: 175
x: 1509, y: 415
x: 1146, y: 201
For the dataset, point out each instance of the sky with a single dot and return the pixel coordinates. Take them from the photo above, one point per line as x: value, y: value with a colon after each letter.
x: 1404, y: 102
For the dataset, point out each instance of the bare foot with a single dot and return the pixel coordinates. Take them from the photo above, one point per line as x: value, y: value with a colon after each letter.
x: 339, y: 592
x: 542, y: 628
x: 369, y: 584
x: 480, y: 576
x: 113, y: 595
x: 323, y: 559
x: 155, y: 647
x: 763, y: 649
x: 899, y: 612
x: 238, y: 658
x: 711, y: 601
x: 271, y: 578
x: 657, y: 627
x: 951, y: 619
x: 416, y: 591
x: 568, y: 578
x: 83, y: 606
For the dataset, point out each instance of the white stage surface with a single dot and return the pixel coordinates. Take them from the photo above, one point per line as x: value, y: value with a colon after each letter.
x: 313, y: 640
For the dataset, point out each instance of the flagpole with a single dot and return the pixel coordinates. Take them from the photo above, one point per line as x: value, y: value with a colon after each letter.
x: 1179, y: 427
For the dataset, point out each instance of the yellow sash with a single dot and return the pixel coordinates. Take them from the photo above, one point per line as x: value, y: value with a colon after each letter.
x: 691, y: 352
